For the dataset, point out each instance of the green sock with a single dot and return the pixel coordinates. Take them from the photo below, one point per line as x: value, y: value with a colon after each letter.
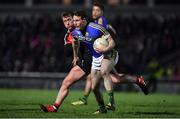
x: 85, y: 97
x: 111, y: 97
x: 101, y: 106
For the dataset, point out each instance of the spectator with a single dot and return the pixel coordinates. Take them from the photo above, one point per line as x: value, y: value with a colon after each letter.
x: 113, y: 2
x: 67, y: 2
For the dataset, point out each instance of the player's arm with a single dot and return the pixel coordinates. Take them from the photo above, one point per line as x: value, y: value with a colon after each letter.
x: 106, y: 35
x: 102, y: 21
x: 110, y: 40
x: 111, y: 44
x: 75, y: 46
x: 111, y: 29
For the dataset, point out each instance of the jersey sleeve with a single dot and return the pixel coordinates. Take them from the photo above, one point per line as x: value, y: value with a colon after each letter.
x: 100, y: 28
x: 103, y: 30
x: 65, y: 38
x: 77, y: 35
x: 68, y: 38
x: 102, y: 21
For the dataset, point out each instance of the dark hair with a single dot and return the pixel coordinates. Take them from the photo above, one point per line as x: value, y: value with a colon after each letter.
x: 66, y: 13
x: 80, y: 13
x: 99, y: 5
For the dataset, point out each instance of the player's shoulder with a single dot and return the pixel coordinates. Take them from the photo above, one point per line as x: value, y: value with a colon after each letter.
x: 76, y: 31
x: 103, y: 21
x: 95, y: 25
x: 102, y: 18
x: 92, y: 23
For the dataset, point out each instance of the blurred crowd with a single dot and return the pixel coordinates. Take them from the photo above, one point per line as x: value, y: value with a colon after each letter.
x: 147, y: 40
x: 31, y: 44
x: 35, y: 43
x: 148, y: 36
x: 88, y: 2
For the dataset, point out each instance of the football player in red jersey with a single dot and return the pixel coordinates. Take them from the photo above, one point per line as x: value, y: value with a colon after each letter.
x: 79, y: 70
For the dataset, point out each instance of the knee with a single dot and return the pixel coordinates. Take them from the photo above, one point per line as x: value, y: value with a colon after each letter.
x: 89, y: 81
x: 115, y: 79
x: 92, y: 87
x: 104, y: 72
x: 66, y: 84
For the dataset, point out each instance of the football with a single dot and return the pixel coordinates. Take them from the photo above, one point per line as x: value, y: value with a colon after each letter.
x: 101, y: 43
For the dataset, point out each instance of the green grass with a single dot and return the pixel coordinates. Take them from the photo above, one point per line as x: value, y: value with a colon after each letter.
x: 25, y: 104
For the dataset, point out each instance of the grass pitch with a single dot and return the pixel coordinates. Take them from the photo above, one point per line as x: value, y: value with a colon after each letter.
x: 25, y: 104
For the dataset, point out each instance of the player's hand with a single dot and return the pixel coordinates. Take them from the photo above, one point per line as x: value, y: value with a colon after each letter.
x: 75, y: 61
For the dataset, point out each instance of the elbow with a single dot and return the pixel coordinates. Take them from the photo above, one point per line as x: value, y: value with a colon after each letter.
x: 113, y: 45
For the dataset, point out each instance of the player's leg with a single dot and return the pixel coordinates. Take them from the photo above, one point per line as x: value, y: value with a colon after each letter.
x: 74, y: 75
x: 106, y: 67
x: 87, y: 91
x: 87, y: 68
x: 96, y: 77
x: 87, y: 88
x: 124, y: 78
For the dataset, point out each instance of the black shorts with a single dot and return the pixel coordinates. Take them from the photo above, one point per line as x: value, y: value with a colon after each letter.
x: 67, y: 58
x: 85, y: 60
x: 68, y: 50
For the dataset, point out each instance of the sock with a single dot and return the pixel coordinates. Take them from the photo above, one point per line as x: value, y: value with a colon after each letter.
x: 85, y: 97
x: 56, y: 105
x: 102, y: 106
x: 111, y: 97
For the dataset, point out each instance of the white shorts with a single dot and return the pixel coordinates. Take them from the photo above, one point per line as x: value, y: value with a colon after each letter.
x: 96, y: 62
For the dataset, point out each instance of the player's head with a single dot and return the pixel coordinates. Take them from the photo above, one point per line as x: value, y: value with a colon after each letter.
x: 97, y: 10
x: 79, y: 19
x: 67, y: 19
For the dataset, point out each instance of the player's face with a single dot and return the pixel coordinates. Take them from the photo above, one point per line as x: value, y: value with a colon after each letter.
x: 78, y: 21
x: 96, y: 12
x: 68, y: 22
